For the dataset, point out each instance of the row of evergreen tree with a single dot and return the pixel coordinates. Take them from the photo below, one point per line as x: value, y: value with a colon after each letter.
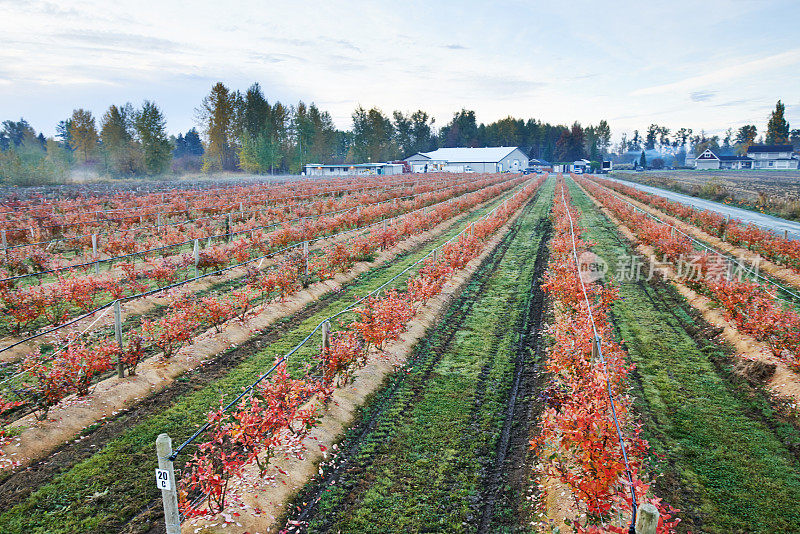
x: 661, y: 140
x: 243, y: 131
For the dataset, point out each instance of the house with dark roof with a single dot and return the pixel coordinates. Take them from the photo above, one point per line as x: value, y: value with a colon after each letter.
x: 758, y: 157
x: 711, y: 160
x: 772, y: 156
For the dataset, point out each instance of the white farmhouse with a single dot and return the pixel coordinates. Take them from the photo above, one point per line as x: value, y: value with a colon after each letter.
x: 772, y: 156
x: 711, y: 160
x: 488, y: 159
x: 758, y: 157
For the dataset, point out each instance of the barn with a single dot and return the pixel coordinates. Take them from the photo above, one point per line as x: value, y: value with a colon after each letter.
x: 485, y: 159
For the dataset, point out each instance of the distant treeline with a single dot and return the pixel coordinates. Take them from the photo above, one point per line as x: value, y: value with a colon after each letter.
x: 659, y: 144
x: 243, y: 131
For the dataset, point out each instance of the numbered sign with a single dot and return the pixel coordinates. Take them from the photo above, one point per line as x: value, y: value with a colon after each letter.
x: 162, y: 479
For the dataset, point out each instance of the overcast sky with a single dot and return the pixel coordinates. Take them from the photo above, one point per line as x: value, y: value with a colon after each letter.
x: 704, y: 65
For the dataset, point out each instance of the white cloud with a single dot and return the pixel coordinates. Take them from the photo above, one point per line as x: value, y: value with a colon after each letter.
x: 682, y: 64
x: 726, y: 73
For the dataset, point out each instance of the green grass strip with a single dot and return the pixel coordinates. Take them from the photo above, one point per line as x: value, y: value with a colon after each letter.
x: 423, y: 466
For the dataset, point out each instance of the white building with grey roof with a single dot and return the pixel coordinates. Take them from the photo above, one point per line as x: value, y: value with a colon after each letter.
x: 485, y: 159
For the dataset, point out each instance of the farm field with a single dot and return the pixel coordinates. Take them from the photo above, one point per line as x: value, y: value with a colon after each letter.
x: 726, y: 451
x: 410, y: 353
x: 126, y: 445
x: 431, y: 450
x: 235, y: 285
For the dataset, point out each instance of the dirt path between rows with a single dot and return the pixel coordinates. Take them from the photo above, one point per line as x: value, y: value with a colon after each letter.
x: 783, y: 382
x: 258, y: 505
x: 69, y: 418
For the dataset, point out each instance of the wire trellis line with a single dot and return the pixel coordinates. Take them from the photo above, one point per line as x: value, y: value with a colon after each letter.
x: 597, y: 343
x: 317, y: 328
x: 225, y: 269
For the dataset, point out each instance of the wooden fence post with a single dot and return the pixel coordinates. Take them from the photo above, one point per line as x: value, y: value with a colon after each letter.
x: 196, y: 254
x: 786, y: 234
x: 595, y: 348
x: 435, y: 255
x: 5, y: 243
x: 118, y: 336
x: 229, y: 226
x: 646, y: 519
x: 165, y: 480
x: 725, y: 228
x: 326, y: 335
x: 305, y: 255
x: 94, y: 254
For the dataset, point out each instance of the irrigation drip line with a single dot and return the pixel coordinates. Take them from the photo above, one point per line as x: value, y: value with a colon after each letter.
x: 224, y: 269
x: 61, y: 326
x: 62, y: 349
x: 732, y: 259
x: 229, y: 234
x: 596, y: 341
x: 297, y: 347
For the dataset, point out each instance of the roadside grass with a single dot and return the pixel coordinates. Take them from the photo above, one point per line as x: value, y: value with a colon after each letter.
x: 423, y: 466
x: 765, y: 192
x: 725, y: 455
x: 102, y: 493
